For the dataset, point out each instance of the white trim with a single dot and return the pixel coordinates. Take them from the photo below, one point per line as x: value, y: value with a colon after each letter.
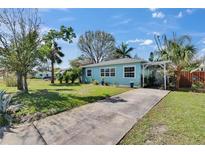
x: 87, y: 73
x: 134, y: 71
x: 104, y: 72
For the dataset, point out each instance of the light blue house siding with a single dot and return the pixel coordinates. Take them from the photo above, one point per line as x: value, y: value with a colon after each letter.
x: 118, y: 79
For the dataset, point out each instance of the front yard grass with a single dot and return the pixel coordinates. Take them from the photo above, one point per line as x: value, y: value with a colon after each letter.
x: 49, y: 98
x: 178, y: 119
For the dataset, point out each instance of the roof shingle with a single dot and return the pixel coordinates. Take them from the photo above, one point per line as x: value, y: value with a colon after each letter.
x: 116, y: 62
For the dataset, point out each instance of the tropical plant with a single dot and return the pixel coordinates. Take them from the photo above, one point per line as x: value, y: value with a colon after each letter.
x: 66, y: 76
x: 5, y: 101
x: 60, y: 77
x: 151, y: 57
x: 74, y: 74
x: 178, y: 50
x: 55, y: 57
x: 96, y: 46
x: 50, y: 46
x: 198, y: 85
x: 123, y: 51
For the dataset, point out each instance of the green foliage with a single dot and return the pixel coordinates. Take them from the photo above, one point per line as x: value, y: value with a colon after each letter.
x: 19, y: 42
x: 198, y: 85
x: 10, y: 80
x: 3, y: 121
x: 74, y: 74
x: 178, y: 50
x: 66, y: 76
x: 51, y: 48
x: 123, y: 51
x: 60, y: 77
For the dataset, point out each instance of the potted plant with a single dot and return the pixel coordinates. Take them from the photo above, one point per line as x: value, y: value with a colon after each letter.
x: 131, y: 84
x: 102, y: 82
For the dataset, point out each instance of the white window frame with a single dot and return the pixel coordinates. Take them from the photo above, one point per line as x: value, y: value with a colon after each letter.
x: 129, y: 66
x: 105, y: 71
x: 87, y: 72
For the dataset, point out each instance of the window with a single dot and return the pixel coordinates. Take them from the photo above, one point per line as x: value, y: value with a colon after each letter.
x: 112, y: 72
x: 102, y: 72
x: 107, y: 72
x: 89, y: 72
x: 129, y: 72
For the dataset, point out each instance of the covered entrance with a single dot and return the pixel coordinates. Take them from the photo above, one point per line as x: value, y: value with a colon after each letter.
x: 161, y: 64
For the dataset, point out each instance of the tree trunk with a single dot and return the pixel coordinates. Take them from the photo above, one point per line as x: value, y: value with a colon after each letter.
x: 25, y: 83
x: 19, y: 81
x: 52, y: 72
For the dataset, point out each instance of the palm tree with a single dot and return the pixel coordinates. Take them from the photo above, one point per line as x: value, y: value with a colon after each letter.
x: 55, y: 57
x: 123, y: 51
x: 179, y: 50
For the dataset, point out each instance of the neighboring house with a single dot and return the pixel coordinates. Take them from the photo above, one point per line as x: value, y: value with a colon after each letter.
x: 42, y: 75
x: 117, y: 72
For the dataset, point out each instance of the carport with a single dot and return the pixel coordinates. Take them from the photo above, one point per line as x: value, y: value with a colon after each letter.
x: 162, y: 64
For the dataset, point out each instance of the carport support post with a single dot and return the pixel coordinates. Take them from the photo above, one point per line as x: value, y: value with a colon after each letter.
x: 143, y: 75
x: 165, y: 80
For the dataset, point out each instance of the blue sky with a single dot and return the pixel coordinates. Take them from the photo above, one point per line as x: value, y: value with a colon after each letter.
x: 134, y: 26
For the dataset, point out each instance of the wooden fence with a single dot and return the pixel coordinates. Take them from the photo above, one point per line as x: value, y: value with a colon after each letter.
x: 188, y: 78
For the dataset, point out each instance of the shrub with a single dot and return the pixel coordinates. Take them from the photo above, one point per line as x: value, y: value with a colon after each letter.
x: 60, y: 77
x: 66, y: 76
x: 107, y: 83
x: 95, y: 82
x: 75, y: 74
x: 198, y: 85
x: 3, y: 121
x: 5, y: 101
x: 10, y: 81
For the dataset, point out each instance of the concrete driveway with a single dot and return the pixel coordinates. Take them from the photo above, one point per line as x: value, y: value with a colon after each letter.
x: 103, y: 122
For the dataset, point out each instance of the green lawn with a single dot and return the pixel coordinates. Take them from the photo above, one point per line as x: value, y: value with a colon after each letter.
x: 178, y: 119
x: 50, y: 99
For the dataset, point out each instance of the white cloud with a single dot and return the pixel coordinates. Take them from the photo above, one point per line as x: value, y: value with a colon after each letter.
x: 203, y: 50
x: 153, y: 33
x: 158, y: 15
x: 156, y: 33
x: 45, y: 29
x: 146, y: 42
x: 189, y: 11
x: 152, y: 9
x: 180, y: 15
x: 122, y: 22
x: 126, y: 21
x: 141, y: 42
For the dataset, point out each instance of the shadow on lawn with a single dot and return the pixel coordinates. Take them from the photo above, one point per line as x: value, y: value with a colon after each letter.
x: 46, y: 101
x: 65, y: 84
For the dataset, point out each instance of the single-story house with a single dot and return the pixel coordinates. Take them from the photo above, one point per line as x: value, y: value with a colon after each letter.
x: 42, y: 75
x: 120, y: 72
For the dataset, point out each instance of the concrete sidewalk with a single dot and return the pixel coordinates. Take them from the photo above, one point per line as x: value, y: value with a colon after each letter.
x: 103, y: 122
